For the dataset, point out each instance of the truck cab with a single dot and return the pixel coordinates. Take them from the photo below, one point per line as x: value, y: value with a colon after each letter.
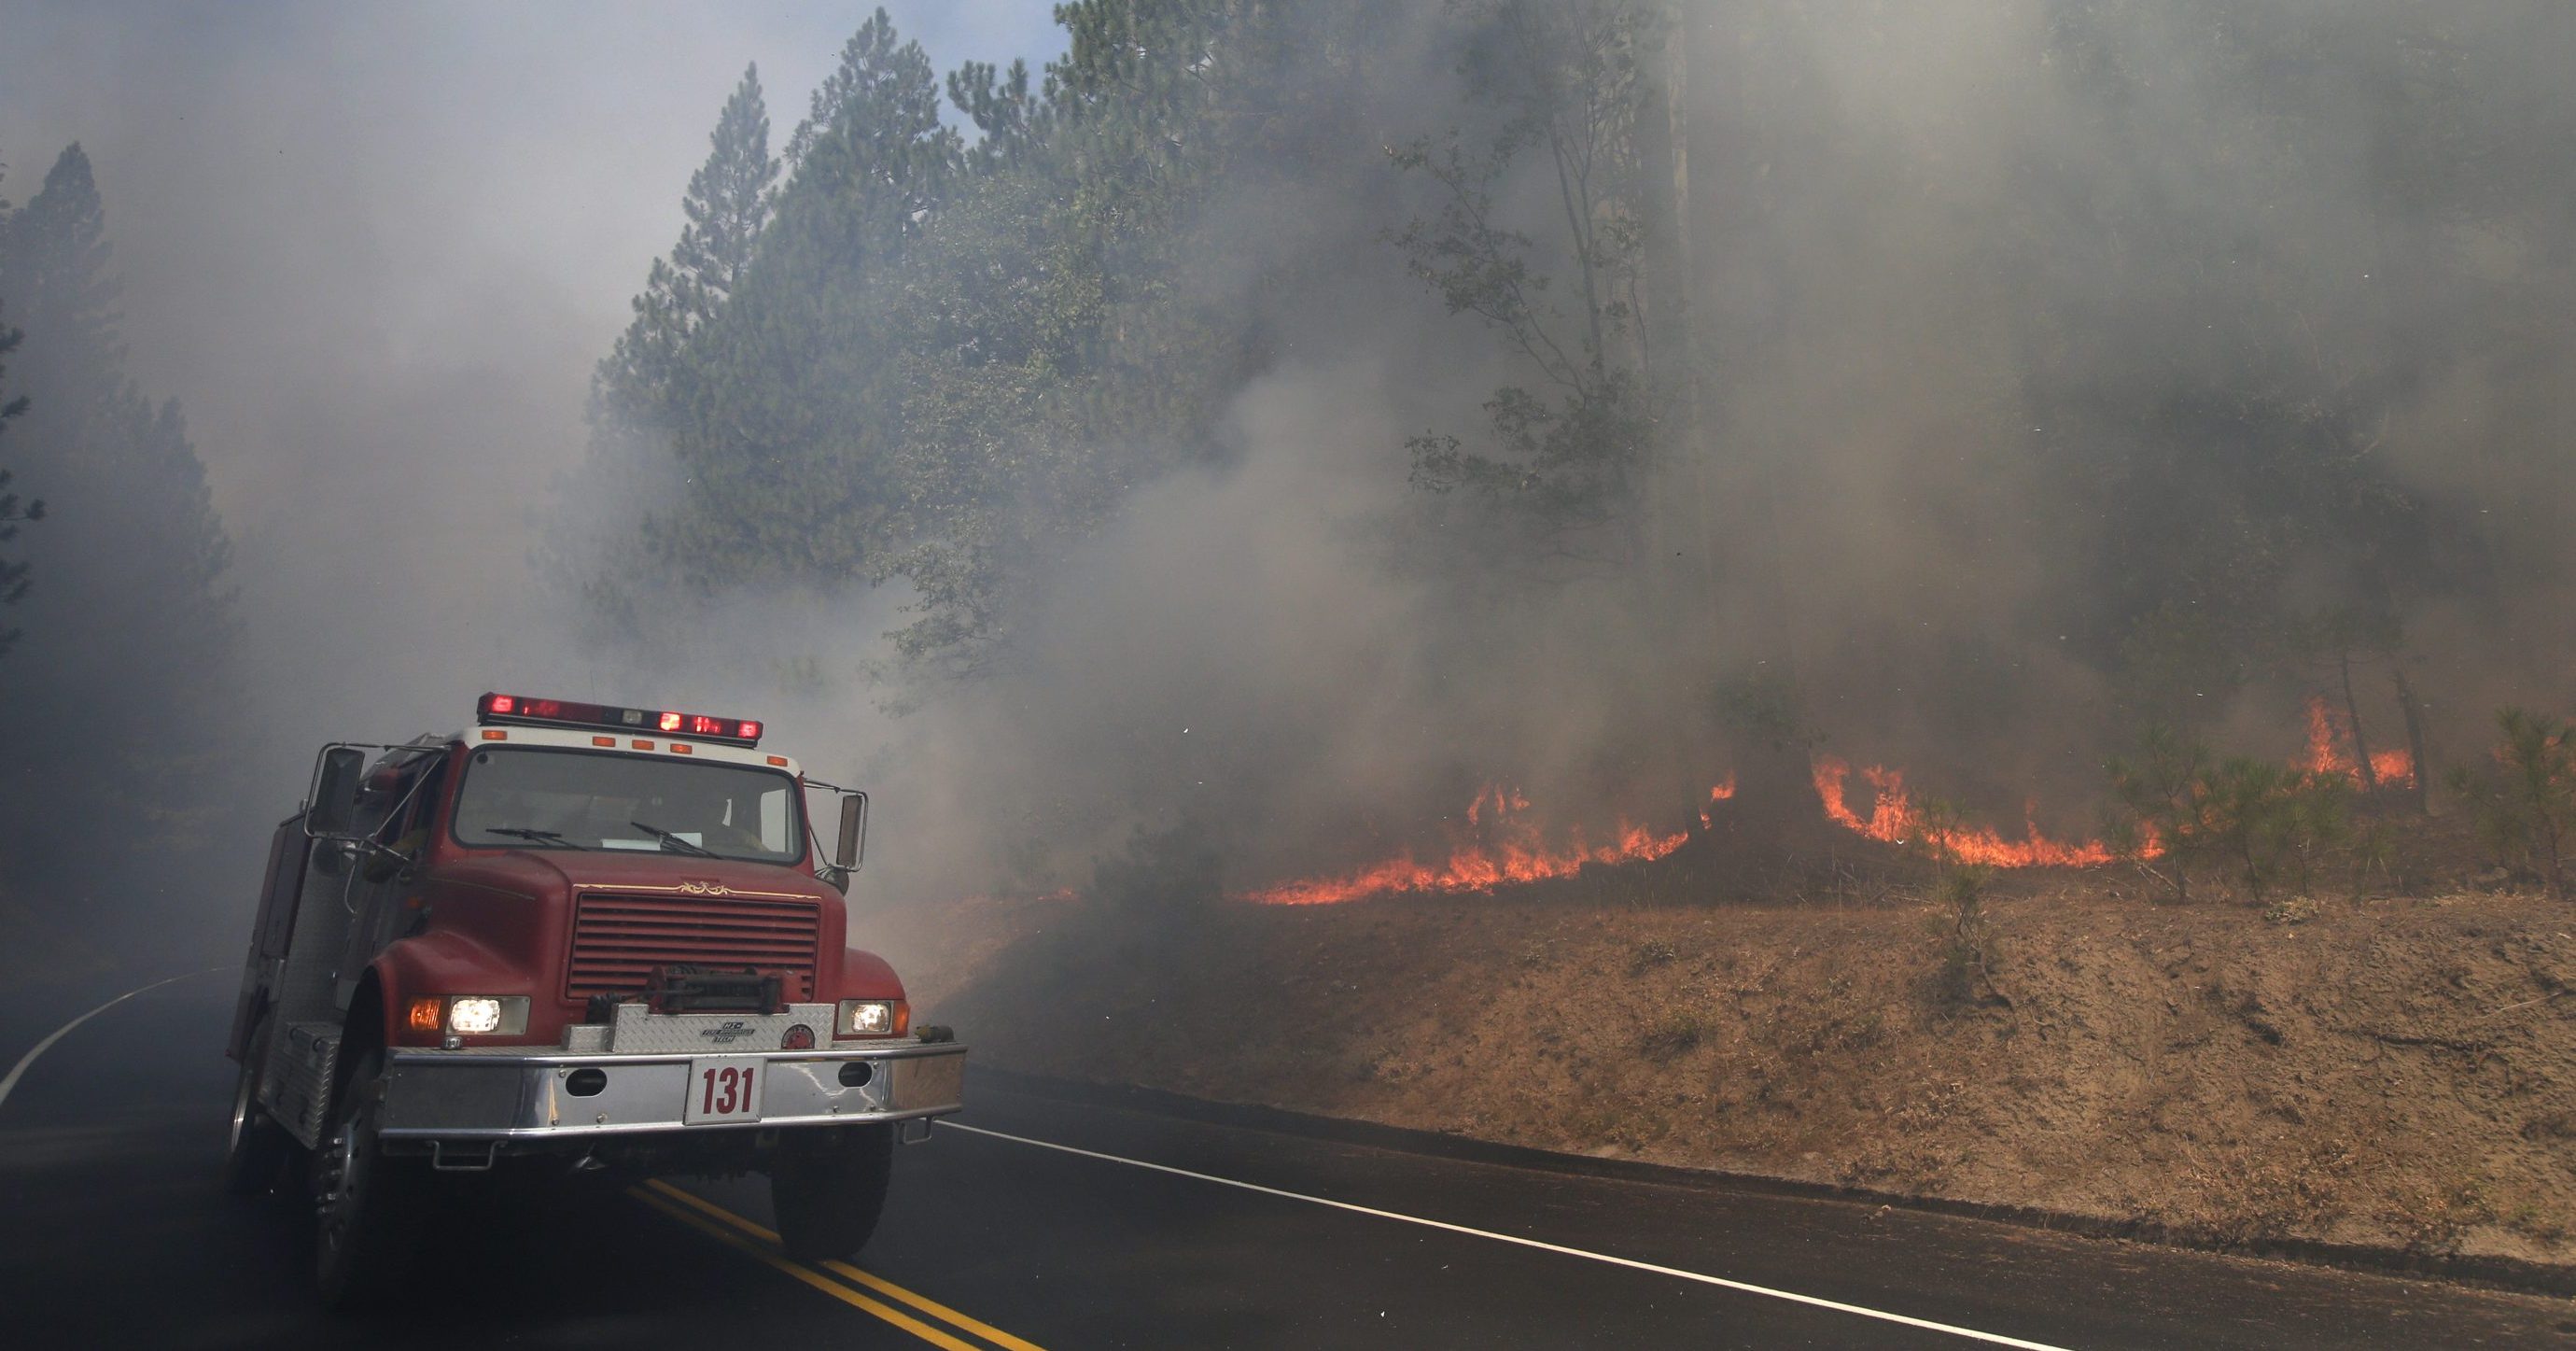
x: 574, y: 937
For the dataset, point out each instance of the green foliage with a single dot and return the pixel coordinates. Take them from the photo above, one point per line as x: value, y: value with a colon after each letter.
x: 1964, y: 942
x: 637, y: 387
x: 2525, y: 807
x: 1562, y: 81
x: 2267, y: 825
x: 2271, y: 823
x: 1965, y: 947
x: 2165, y: 820
x: 938, y: 366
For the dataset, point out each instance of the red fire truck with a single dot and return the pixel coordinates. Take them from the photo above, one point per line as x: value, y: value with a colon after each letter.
x: 571, y: 936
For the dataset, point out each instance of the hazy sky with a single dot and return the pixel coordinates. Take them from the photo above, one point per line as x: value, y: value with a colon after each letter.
x: 374, y: 249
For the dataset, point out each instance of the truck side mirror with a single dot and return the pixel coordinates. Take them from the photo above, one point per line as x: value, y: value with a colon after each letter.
x: 335, y: 799
x: 853, y: 844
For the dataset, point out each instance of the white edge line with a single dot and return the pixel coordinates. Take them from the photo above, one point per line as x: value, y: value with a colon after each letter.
x: 59, y: 1033
x: 1792, y: 1296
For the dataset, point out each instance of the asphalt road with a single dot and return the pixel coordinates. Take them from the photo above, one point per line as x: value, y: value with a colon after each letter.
x: 1035, y: 1221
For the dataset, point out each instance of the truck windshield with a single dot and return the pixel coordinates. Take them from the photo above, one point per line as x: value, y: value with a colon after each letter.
x: 557, y: 799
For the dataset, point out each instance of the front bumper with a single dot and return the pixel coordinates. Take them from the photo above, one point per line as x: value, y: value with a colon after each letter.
x: 477, y: 1095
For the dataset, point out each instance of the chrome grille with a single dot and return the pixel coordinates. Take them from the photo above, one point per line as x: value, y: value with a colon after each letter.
x: 617, y: 940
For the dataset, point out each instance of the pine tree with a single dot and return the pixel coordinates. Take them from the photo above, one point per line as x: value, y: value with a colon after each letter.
x: 787, y: 453
x: 135, y: 602
x: 13, y: 576
x: 727, y: 206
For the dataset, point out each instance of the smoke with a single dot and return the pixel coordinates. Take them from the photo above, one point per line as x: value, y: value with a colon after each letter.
x: 1949, y: 276
x: 374, y: 254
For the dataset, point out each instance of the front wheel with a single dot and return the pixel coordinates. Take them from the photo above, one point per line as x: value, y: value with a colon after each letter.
x: 828, y: 1186
x: 259, y: 1145
x: 368, y: 1206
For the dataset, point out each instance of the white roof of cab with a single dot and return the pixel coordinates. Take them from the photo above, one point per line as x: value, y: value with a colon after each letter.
x: 627, y: 743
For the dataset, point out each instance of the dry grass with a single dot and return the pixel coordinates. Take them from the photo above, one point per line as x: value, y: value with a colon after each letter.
x: 2393, y: 1070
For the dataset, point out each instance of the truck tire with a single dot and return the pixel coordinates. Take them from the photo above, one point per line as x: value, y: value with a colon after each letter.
x: 259, y: 1147
x: 827, y: 1187
x: 367, y: 1206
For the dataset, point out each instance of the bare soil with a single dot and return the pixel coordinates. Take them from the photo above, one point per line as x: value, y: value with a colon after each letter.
x: 2385, y: 1070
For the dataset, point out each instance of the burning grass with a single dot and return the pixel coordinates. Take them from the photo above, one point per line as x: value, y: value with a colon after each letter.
x: 2387, y: 1059
x: 1503, y: 846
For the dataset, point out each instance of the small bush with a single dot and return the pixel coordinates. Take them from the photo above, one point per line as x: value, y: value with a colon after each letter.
x: 1965, y: 949
x: 1672, y: 1037
x: 2266, y: 824
x: 1964, y: 943
x: 2525, y: 807
x: 2270, y: 823
x: 2164, y: 828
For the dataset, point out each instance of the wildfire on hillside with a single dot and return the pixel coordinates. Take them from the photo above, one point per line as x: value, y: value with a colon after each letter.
x: 1894, y: 819
x: 2331, y: 751
x: 1508, y: 847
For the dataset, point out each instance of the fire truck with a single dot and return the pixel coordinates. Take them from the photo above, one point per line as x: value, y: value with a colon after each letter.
x: 572, y: 938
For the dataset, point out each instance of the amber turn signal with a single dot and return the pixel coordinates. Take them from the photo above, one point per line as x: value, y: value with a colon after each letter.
x: 425, y: 1015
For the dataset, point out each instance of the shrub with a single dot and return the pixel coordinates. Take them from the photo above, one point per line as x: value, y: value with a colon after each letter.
x: 2271, y: 823
x: 1673, y: 1037
x: 2525, y: 807
x: 2164, y: 829
x: 1965, y: 949
x: 2267, y: 824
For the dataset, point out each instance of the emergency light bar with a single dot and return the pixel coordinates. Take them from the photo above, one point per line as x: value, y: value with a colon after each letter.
x: 522, y: 711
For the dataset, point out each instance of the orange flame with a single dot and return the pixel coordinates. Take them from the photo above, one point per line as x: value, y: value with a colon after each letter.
x: 1716, y: 794
x: 1514, y: 853
x: 1894, y: 820
x: 2328, y: 736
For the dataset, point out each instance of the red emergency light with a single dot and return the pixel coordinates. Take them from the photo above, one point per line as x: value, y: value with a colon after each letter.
x: 520, y: 710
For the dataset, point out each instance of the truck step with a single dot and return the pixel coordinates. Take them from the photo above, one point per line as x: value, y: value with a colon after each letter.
x: 463, y: 1156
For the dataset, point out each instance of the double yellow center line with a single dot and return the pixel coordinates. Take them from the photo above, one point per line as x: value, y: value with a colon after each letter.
x: 727, y: 1227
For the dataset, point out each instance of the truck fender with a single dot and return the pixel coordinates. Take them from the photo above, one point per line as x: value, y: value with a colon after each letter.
x: 865, y: 975
x: 440, y: 962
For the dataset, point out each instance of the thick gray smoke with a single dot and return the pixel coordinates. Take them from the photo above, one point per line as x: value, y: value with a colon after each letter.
x: 377, y: 256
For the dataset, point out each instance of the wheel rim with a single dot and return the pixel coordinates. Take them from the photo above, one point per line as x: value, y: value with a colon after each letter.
x: 344, y: 1180
x: 345, y: 1161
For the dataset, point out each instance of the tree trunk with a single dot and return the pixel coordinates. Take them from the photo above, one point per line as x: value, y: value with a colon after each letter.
x: 2415, y: 746
x: 2352, y: 714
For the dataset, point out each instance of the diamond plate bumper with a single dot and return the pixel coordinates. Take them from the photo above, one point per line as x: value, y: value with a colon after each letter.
x: 469, y: 1095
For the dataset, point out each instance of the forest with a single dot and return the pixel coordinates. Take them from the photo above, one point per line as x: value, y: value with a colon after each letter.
x: 1609, y: 399
x: 1214, y: 457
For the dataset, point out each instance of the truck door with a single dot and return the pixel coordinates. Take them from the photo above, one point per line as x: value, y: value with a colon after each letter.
x: 382, y: 877
x: 287, y: 852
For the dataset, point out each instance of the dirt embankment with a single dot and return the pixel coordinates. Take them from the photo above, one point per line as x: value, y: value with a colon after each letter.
x: 2390, y: 1071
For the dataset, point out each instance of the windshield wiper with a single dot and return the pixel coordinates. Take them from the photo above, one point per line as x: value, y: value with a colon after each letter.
x: 528, y: 833
x: 673, y: 842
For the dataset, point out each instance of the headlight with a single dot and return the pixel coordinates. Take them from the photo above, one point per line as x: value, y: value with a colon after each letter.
x: 870, y: 1018
x: 469, y: 1015
x: 473, y: 1014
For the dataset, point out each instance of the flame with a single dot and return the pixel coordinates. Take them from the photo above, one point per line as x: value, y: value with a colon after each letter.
x: 1512, y: 852
x: 1894, y: 820
x: 1716, y: 794
x: 2328, y: 737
